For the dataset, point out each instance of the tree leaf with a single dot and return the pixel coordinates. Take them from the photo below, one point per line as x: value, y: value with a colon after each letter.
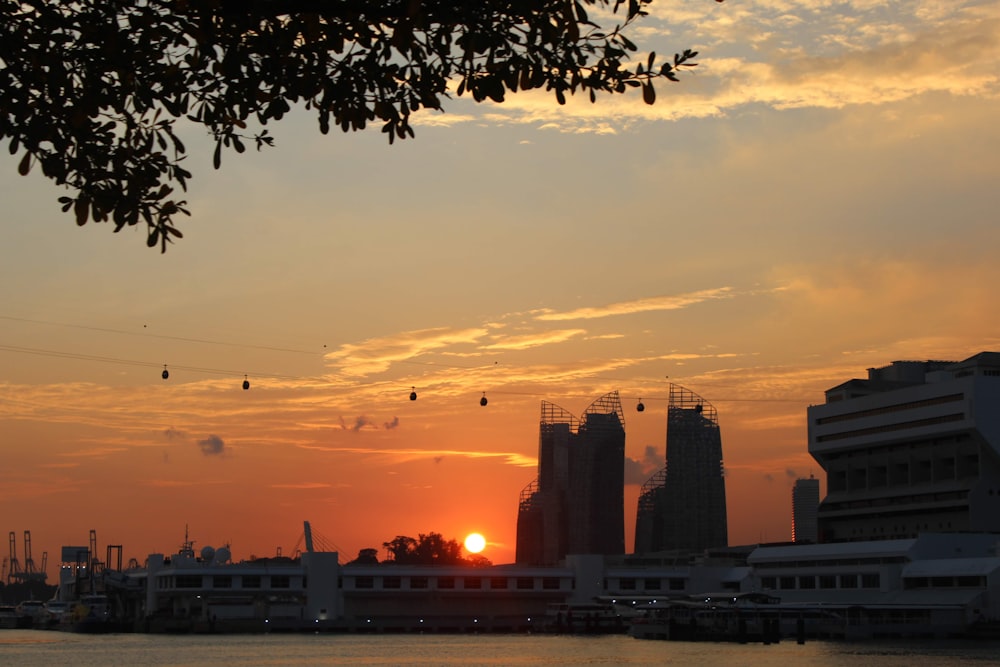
x: 25, y: 165
x: 648, y: 94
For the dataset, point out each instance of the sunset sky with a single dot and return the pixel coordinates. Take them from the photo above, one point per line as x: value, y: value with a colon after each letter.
x: 818, y: 197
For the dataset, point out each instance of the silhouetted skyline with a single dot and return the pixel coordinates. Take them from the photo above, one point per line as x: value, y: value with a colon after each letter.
x: 817, y: 197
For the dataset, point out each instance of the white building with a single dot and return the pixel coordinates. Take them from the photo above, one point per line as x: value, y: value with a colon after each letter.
x: 935, y: 585
x: 914, y: 448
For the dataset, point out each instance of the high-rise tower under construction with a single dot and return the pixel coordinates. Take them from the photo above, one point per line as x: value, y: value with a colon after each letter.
x: 683, y: 506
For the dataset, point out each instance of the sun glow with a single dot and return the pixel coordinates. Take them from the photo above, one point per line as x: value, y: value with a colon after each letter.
x: 474, y: 543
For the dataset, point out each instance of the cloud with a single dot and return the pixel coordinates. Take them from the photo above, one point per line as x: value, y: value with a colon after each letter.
x: 363, y: 423
x: 174, y: 434
x: 212, y: 446
x: 785, y: 56
x: 527, y: 341
x: 302, y: 485
x: 376, y: 355
x: 656, y: 303
x: 393, y: 456
x: 638, y: 471
x: 169, y: 483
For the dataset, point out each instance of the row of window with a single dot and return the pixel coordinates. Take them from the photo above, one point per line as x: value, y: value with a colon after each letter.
x: 888, y: 428
x: 629, y: 584
x: 832, y: 562
x: 901, y: 474
x: 825, y: 581
x: 872, y: 412
x: 394, y: 582
x: 246, y: 581
x: 968, y: 581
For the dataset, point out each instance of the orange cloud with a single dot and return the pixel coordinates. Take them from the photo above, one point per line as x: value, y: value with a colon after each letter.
x: 674, y: 302
x: 376, y: 355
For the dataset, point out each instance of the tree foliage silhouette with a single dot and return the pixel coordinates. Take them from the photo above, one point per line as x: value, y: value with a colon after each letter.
x: 91, y: 90
x: 429, y: 549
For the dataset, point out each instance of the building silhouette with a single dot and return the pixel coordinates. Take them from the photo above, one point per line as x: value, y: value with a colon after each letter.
x: 577, y: 503
x: 914, y: 448
x: 683, y: 506
x: 805, y: 505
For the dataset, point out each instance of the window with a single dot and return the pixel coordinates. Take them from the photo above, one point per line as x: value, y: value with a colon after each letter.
x: 189, y: 581
x: 364, y: 582
x: 848, y: 581
x: 626, y: 584
x: 807, y: 581
x: 418, y: 582
x: 280, y: 581
x: 768, y: 582
x: 251, y: 581
x: 525, y: 583
x: 788, y: 583
x: 222, y: 581
x: 550, y: 583
x: 472, y: 583
x: 871, y: 580
x: 498, y: 583
x: 652, y: 584
x: 446, y: 582
x: 676, y: 584
x: 392, y: 582
x: 828, y: 581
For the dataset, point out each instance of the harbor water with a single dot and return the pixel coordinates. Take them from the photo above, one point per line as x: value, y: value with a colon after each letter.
x: 27, y: 648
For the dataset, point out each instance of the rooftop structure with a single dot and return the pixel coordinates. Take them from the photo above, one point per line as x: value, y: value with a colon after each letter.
x: 805, y: 505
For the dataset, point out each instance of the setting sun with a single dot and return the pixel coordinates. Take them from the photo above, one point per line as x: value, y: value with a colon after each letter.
x: 474, y: 543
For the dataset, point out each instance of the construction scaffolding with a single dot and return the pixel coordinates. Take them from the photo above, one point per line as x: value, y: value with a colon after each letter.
x: 683, y: 506
x: 576, y: 504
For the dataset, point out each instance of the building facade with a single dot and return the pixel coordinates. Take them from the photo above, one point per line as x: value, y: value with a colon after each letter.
x: 683, y: 506
x: 913, y: 448
x: 805, y: 506
x: 577, y: 503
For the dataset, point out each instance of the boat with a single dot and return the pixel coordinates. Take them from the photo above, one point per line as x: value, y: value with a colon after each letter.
x: 33, y: 613
x: 8, y: 617
x: 746, y: 617
x: 55, y: 610
x: 584, y: 618
x: 90, y: 614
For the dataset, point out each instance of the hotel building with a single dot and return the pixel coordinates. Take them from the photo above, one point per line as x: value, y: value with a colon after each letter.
x: 914, y: 448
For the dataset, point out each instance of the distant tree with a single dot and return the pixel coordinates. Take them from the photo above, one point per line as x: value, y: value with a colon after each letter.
x: 433, y: 549
x: 90, y: 90
x: 366, y: 557
x: 429, y: 549
x: 478, y: 560
x: 401, y: 549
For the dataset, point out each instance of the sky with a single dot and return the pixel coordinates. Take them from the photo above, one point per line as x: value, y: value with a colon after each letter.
x: 819, y: 196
